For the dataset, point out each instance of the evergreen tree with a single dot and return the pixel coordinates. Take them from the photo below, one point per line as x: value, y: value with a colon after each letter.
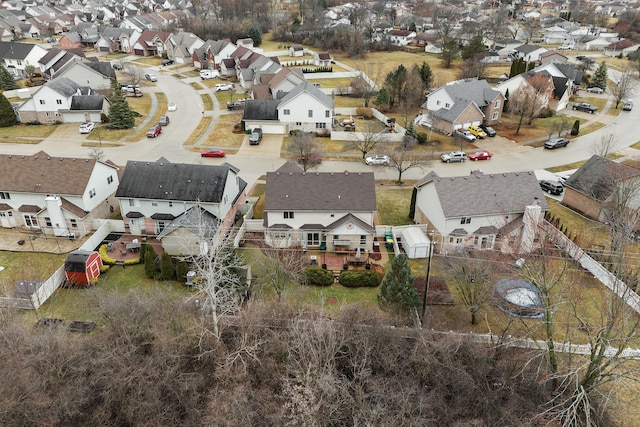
x: 256, y: 36
x: 450, y: 52
x: 576, y: 128
x: 397, y: 294
x: 167, y: 269
x: 149, y: 261
x: 474, y: 47
x: 425, y: 73
x: 382, y: 100
x: 506, y: 101
x: 6, y: 80
x: 120, y: 115
x: 600, y: 76
x: 7, y: 115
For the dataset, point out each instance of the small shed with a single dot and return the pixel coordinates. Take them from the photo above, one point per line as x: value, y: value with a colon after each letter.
x: 296, y: 50
x: 415, y: 242
x: 81, y: 267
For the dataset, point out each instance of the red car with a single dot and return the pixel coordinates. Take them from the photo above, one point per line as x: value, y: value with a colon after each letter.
x: 154, y: 131
x: 213, y: 152
x: 480, y: 155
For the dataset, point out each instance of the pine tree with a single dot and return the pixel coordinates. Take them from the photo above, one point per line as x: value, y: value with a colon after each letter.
x: 576, y: 128
x: 149, y: 262
x: 7, y: 115
x: 6, y: 80
x: 120, y: 115
x: 167, y: 269
x: 397, y: 294
x: 600, y: 76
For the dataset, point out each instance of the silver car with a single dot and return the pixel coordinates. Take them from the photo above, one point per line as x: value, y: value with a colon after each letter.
x: 378, y: 159
x: 454, y: 156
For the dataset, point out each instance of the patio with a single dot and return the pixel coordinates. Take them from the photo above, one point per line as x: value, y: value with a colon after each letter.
x: 124, y: 247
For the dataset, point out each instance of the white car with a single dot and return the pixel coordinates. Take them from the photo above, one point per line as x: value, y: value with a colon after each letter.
x: 595, y: 89
x: 151, y: 77
x: 172, y: 106
x: 378, y: 159
x: 87, y: 127
x: 223, y: 86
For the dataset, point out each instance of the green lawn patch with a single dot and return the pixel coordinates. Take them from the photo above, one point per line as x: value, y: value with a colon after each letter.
x: 258, y: 190
x: 29, y: 131
x: 393, y: 205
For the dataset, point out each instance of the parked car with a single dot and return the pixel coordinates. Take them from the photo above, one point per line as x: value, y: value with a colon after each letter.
x: 212, y: 152
x: 166, y: 62
x: 464, y: 134
x: 595, y: 89
x: 87, y: 127
x: 480, y: 155
x: 256, y: 136
x: 477, y: 132
x: 209, y: 74
x: 151, y: 77
x: 488, y: 130
x: 378, y: 159
x: 154, y: 131
x: 551, y: 187
x: 164, y: 120
x: 223, y: 86
x: 556, y: 143
x: 117, y: 66
x: 235, y: 105
x: 454, y: 156
x: 585, y: 107
x: 172, y: 106
x: 130, y: 88
x: 628, y: 105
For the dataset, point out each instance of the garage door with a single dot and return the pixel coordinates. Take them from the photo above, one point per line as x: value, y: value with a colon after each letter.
x: 278, y: 129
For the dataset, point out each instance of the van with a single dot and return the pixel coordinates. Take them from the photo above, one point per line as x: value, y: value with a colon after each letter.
x: 628, y: 105
x: 209, y: 74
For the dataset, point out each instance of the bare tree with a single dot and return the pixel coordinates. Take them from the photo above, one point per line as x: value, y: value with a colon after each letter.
x: 367, y: 139
x: 471, y: 277
x: 559, y: 126
x: 96, y: 153
x: 531, y: 97
x: 402, y: 159
x: 604, y: 146
x: 304, y: 150
x: 624, y: 86
x: 280, y: 267
x: 134, y: 74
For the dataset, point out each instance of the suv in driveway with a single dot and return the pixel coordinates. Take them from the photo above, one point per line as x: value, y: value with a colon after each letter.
x: 556, y: 143
x: 256, y: 136
x: 585, y: 107
x: 454, y: 156
x: 551, y: 187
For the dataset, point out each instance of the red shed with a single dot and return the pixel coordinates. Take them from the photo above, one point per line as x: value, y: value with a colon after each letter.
x: 82, y: 266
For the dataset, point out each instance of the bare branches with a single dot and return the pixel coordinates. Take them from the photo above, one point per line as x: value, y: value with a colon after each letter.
x: 304, y: 150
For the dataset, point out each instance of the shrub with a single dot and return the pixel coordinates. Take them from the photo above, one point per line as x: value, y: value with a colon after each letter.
x: 422, y: 138
x: 132, y: 261
x: 182, y: 268
x: 104, y: 118
x: 58, y: 122
x: 318, y: 276
x: 167, y: 270
x: 34, y: 122
x: 106, y: 259
x: 576, y: 128
x: 104, y: 268
x: 359, y: 278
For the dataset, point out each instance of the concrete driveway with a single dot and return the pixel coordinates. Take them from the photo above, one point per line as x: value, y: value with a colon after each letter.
x: 270, y: 146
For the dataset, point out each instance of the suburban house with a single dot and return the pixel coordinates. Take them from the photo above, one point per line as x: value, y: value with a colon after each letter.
x: 96, y: 75
x: 305, y: 108
x: 16, y: 56
x: 63, y: 100
x: 181, y: 46
x: 116, y: 40
x: 319, y: 210
x: 55, y: 59
x: 591, y: 190
x: 151, y: 43
x: 71, y: 40
x: 623, y: 47
x: 175, y: 202
x: 530, y: 53
x: 556, y: 35
x: 480, y: 211
x: 461, y: 104
x: 401, y: 37
x: 60, y: 196
x: 211, y: 54
x: 552, y: 56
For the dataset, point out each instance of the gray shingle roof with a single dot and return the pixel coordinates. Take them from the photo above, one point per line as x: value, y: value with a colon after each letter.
x: 312, y: 90
x: 597, y: 178
x: 163, y: 180
x: 103, y: 68
x: 260, y: 109
x: 477, y: 91
x: 87, y: 102
x: 321, y: 191
x: 15, y: 50
x: 196, y: 220
x: 64, y: 86
x: 480, y: 194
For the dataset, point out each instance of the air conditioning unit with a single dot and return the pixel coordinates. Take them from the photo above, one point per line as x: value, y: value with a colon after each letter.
x: 313, y: 258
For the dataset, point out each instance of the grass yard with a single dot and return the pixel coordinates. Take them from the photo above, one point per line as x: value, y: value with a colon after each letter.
x: 258, y: 191
x: 28, y: 131
x: 161, y: 110
x: 26, y: 265
x: 587, y: 97
x: 198, y: 131
x: 141, y: 105
x: 393, y: 204
x: 222, y: 135
x: 330, y: 83
x: 207, y: 102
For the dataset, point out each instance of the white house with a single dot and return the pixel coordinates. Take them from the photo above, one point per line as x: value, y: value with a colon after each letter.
x: 171, y: 200
x: 530, y: 53
x: 95, y: 74
x: 401, y: 37
x: 320, y: 210
x: 117, y: 40
x: 16, y: 56
x: 59, y: 196
x: 478, y: 210
x: 556, y: 35
x: 181, y: 46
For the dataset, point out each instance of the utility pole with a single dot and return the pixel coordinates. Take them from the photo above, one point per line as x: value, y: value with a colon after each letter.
x: 426, y: 281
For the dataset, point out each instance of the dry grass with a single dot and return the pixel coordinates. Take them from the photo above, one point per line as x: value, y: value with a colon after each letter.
x: 149, y: 61
x: 393, y: 204
x: 207, y: 102
x: 29, y: 131
x: 592, y: 127
x: 258, y: 191
x: 198, y: 131
x: 330, y: 83
x: 222, y: 135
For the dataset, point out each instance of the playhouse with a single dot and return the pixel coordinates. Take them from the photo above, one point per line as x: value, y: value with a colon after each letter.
x: 81, y: 267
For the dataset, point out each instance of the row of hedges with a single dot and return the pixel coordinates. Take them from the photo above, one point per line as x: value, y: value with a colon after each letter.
x: 317, y: 70
x: 349, y: 278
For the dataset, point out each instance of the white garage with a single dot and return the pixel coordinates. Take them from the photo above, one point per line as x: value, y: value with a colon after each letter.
x: 415, y: 243
x: 267, y: 128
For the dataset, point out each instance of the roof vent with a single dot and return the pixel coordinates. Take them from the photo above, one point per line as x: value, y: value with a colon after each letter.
x: 188, y: 180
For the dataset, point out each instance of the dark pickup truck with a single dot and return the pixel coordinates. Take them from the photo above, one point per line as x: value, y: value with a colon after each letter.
x: 585, y: 107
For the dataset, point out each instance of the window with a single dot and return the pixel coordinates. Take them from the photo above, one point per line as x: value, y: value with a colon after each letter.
x: 497, y: 104
x: 4, y: 195
x: 332, y: 214
x: 133, y: 221
x: 336, y: 237
x: 170, y: 204
x: 438, y: 102
x: 154, y: 203
x: 31, y: 221
x: 59, y: 101
x: 327, y: 113
x: 288, y: 215
x: 47, y: 221
x: 19, y: 62
x: 74, y: 223
x: 225, y: 200
x: 298, y: 123
x: 42, y: 102
x: 134, y: 202
x: 447, y: 105
x: 310, y: 113
x: 313, y: 239
x: 109, y: 179
x: 465, y: 220
x: 321, y: 125
x: 160, y: 225
x: 363, y: 239
x: 286, y: 112
x: 92, y: 192
x: 495, y: 115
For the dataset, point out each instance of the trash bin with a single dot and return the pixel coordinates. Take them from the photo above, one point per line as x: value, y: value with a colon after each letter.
x: 191, y: 275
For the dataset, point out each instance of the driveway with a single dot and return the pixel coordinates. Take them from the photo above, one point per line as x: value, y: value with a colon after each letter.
x: 270, y: 146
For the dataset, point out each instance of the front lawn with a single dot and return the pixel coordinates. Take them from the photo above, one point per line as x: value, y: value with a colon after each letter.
x: 28, y: 131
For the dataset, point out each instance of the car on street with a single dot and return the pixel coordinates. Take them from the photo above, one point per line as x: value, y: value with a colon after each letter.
x: 223, y: 86
x: 172, y: 106
x: 464, y: 134
x: 628, y: 105
x: 556, y: 143
x: 117, y: 66
x: 378, y: 159
x: 231, y: 106
x: 595, y: 89
x: 151, y: 77
x: 488, y: 130
x: 154, y: 131
x: 477, y: 132
x: 480, y: 155
x: 164, y: 120
x: 551, y: 187
x: 166, y: 62
x: 256, y: 136
x: 87, y: 127
x: 585, y: 107
x: 454, y: 156
x: 212, y: 152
